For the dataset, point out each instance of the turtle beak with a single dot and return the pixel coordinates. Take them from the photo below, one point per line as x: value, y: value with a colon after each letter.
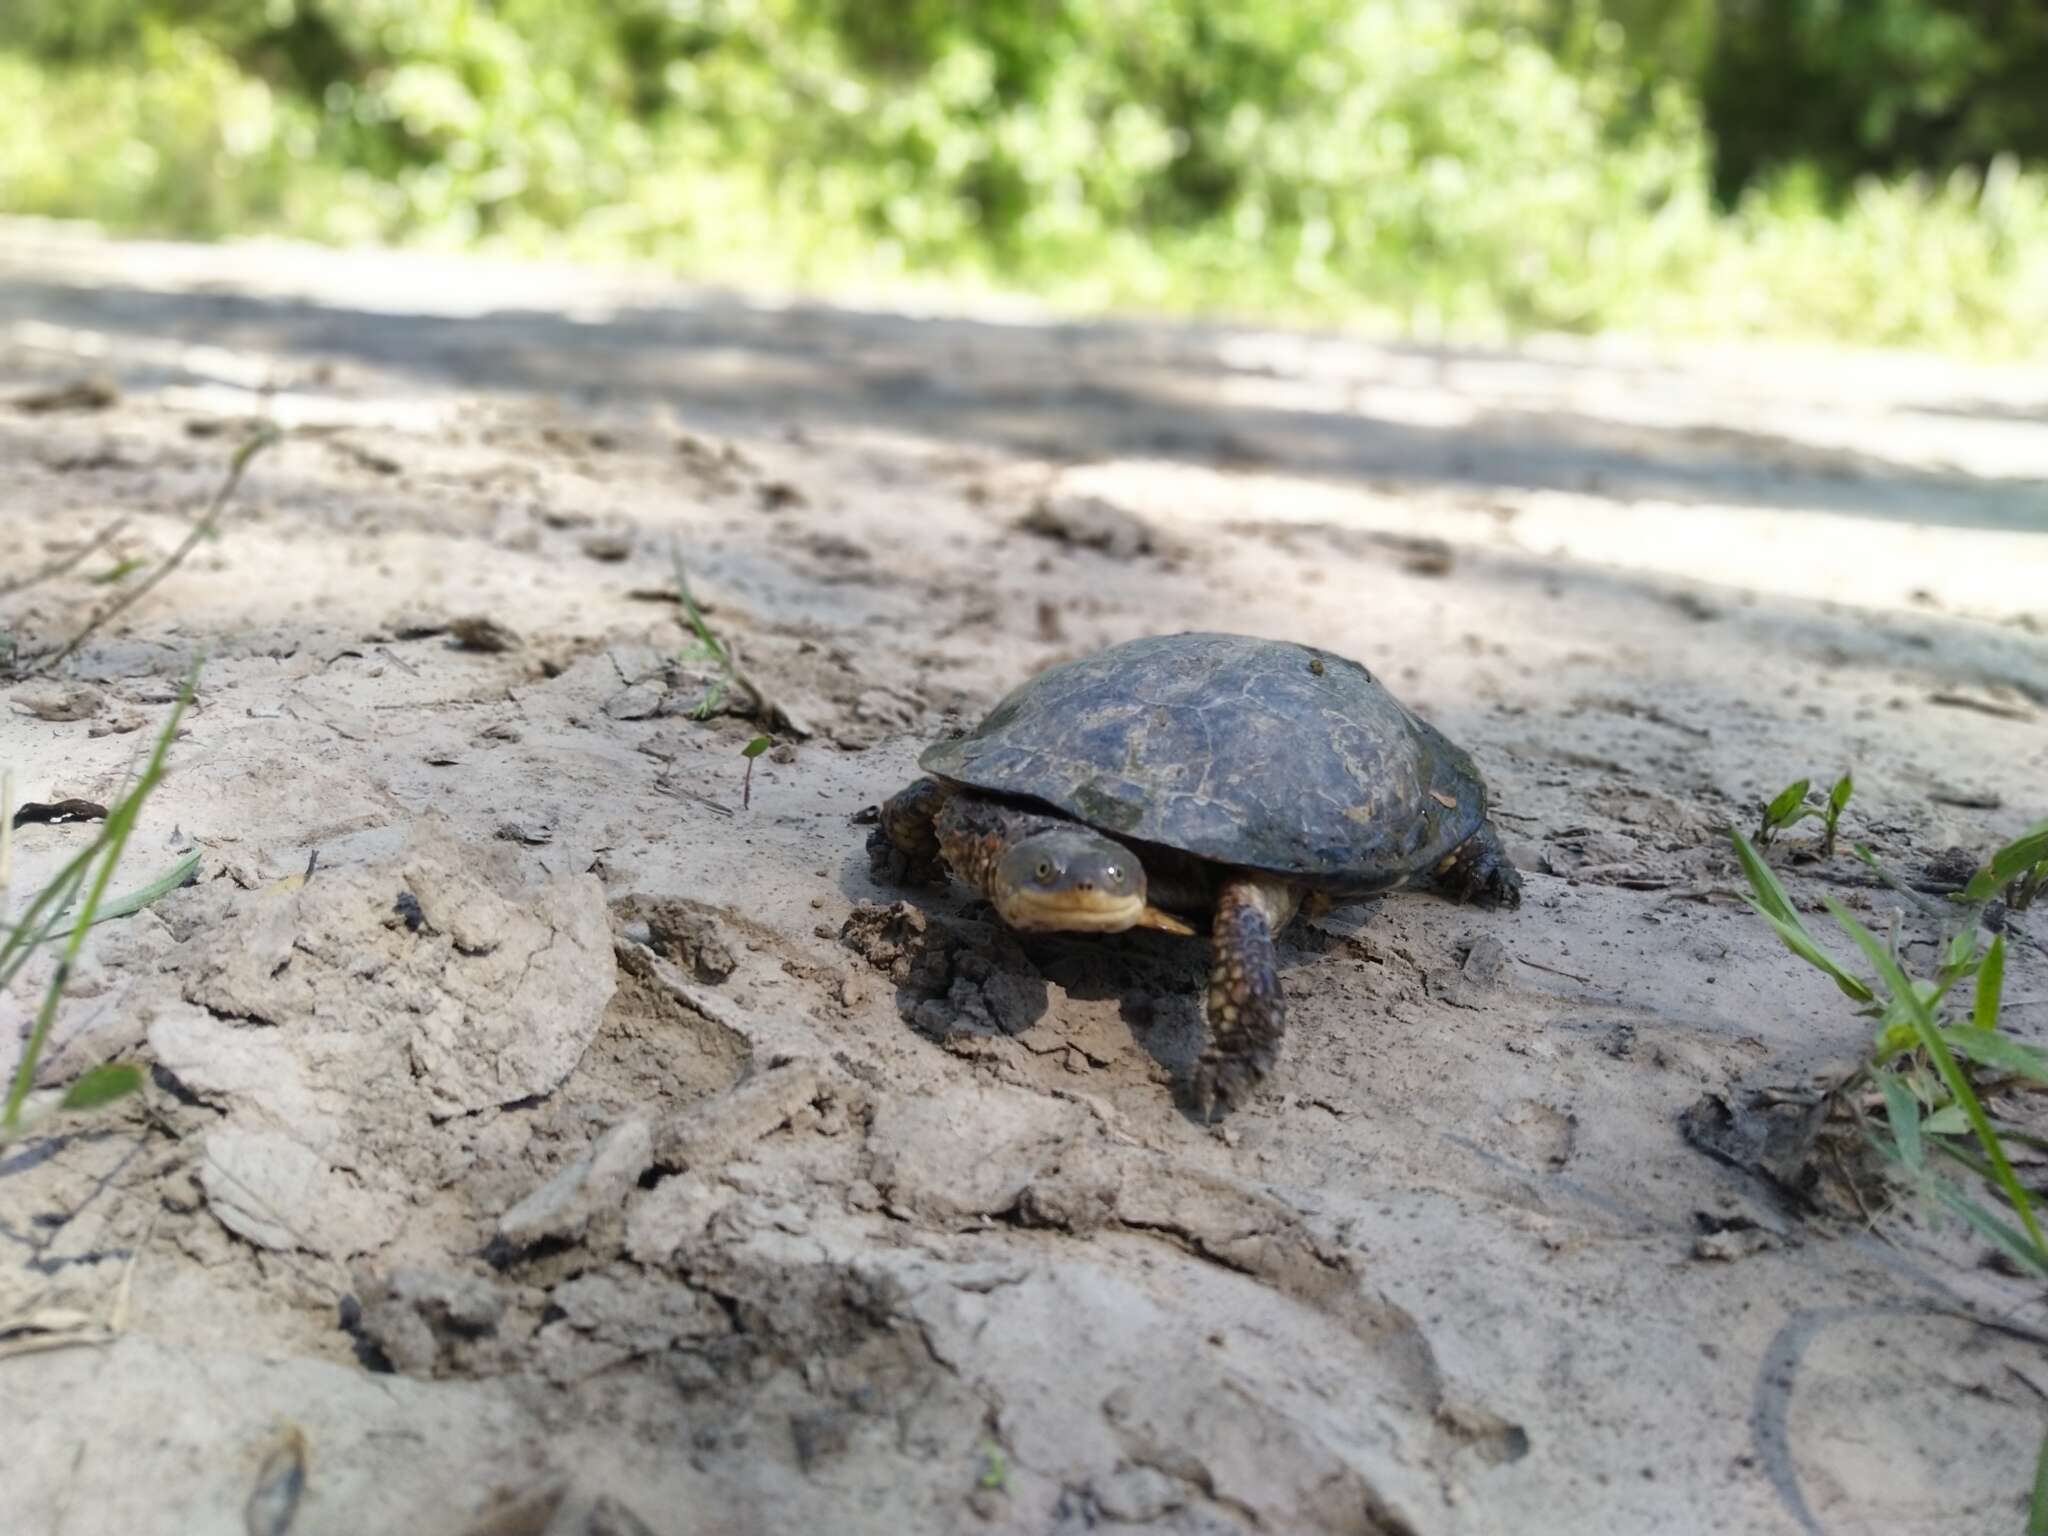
x: 1072, y: 911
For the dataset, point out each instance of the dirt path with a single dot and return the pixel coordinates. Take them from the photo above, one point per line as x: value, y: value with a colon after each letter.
x: 819, y: 1216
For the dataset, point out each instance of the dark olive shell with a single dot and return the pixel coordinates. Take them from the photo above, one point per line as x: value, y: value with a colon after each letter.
x: 1259, y: 754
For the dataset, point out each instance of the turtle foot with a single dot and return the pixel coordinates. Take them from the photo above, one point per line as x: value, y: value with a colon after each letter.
x: 1246, y: 1008
x: 1479, y: 872
x: 1222, y: 1083
x: 893, y: 866
x: 904, y: 847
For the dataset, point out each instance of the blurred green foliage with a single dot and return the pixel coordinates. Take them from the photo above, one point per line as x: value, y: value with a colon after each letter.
x: 1859, y: 87
x: 1441, y: 163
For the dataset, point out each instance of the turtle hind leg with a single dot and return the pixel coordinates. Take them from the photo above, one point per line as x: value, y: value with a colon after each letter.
x: 1478, y: 871
x: 1246, y: 1010
x: 904, y: 847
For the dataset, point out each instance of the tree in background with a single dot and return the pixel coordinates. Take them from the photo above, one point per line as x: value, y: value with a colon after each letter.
x: 1860, y: 87
x: 1544, y: 163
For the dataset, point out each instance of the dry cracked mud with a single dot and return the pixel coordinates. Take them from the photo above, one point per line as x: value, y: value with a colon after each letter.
x: 589, y: 1143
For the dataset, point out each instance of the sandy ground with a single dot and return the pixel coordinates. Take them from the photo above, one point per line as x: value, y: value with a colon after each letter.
x: 588, y: 1146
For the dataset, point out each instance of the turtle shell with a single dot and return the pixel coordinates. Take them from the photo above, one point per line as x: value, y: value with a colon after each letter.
x: 1259, y: 754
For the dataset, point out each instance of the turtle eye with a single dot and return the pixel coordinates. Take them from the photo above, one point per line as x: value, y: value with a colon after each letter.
x: 1045, y: 870
x: 1113, y: 873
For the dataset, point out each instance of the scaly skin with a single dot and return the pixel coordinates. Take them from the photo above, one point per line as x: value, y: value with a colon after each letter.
x: 1478, y: 872
x: 974, y: 834
x: 904, y: 847
x: 1247, y: 1010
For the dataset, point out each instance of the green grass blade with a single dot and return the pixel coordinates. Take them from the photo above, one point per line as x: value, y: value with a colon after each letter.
x: 1801, y: 943
x: 1936, y: 991
x: 120, y: 822
x: 692, y: 612
x: 2037, y: 1506
x: 129, y: 904
x: 1838, y: 797
x: 1770, y: 895
x: 2001, y: 1234
x: 1894, y: 1037
x: 121, y: 570
x: 2008, y: 863
x: 1961, y: 959
x: 1779, y: 812
x: 125, y: 905
x: 50, y: 904
x: 102, y: 1085
x: 1999, y: 1052
x: 1946, y: 1121
x: 2021, y: 854
x: 714, y: 695
x: 1902, y: 1110
x: 1952, y: 1076
x: 1990, y: 985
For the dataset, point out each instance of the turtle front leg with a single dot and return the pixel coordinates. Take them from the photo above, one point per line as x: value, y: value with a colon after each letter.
x: 904, y: 847
x: 1247, y: 1012
x: 1478, y: 871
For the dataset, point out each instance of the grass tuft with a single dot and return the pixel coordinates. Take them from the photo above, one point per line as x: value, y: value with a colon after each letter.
x: 1934, y: 1075
x: 86, y: 874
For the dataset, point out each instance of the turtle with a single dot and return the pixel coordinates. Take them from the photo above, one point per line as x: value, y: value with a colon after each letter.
x: 1225, y: 777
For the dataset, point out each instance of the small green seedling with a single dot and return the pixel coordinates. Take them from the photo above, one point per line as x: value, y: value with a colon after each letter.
x: 1788, y: 809
x: 755, y: 704
x: 1838, y: 798
x: 2018, y: 871
x: 995, y: 1468
x: 121, y: 570
x: 708, y: 647
x: 1792, y: 807
x: 102, y: 1085
x: 750, y: 751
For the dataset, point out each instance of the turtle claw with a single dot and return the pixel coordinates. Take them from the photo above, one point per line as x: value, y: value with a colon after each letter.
x: 904, y: 847
x: 1224, y: 1083
x: 890, y: 865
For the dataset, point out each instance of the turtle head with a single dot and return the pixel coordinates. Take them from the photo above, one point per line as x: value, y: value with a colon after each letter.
x: 1069, y: 878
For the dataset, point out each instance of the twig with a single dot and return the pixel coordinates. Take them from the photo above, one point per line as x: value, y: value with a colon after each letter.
x: 117, y: 1314
x: 265, y: 435
x: 1538, y: 965
x: 57, y: 568
x: 1996, y: 707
